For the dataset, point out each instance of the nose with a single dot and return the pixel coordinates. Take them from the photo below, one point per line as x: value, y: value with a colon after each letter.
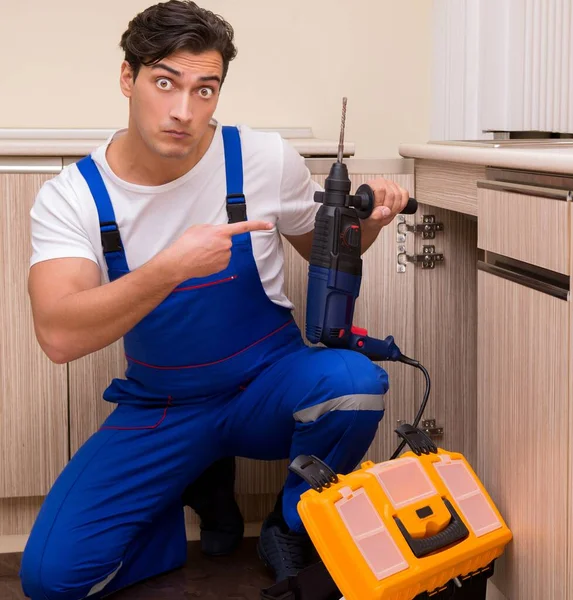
x: 181, y: 109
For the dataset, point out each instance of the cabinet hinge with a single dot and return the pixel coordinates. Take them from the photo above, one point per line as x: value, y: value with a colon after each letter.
x: 429, y: 426
x: 427, y: 259
x: 428, y: 227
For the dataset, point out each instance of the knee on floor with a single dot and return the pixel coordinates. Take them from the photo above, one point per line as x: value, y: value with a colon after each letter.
x: 50, y: 577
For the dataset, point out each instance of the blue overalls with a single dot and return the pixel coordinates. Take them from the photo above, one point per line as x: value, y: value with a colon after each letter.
x: 217, y: 369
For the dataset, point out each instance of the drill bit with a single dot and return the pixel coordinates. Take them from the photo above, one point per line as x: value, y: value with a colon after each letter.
x: 342, y: 127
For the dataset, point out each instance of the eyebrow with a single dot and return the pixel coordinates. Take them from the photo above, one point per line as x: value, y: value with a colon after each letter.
x: 205, y: 78
x: 169, y: 69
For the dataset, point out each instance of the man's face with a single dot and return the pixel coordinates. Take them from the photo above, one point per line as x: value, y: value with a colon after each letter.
x: 172, y: 102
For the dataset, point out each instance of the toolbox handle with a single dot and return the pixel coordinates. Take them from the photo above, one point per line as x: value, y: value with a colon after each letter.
x: 455, y: 532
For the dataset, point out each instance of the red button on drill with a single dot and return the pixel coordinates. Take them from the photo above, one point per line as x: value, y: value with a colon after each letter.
x: 358, y: 330
x: 351, y: 236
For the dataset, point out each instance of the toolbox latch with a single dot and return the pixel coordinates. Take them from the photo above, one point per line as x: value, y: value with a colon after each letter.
x: 315, y: 472
x: 418, y: 441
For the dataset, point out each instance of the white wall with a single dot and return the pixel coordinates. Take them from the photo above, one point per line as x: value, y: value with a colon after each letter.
x: 456, y: 90
x: 296, y: 60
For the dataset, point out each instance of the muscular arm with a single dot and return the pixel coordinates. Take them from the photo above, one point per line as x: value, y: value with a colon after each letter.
x: 74, y: 315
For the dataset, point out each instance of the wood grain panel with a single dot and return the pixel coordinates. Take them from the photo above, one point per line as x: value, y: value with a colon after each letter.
x: 532, y: 229
x: 446, y: 330
x: 448, y: 185
x: 17, y: 515
x: 493, y: 593
x: 386, y: 307
x: 33, y: 398
x: 523, y: 426
x: 88, y: 378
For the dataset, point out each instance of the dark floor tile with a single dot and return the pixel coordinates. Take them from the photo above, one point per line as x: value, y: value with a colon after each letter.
x: 9, y: 565
x: 10, y: 589
x: 237, y: 577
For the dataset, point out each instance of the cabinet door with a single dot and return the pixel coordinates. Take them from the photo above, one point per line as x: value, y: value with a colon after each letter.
x: 523, y: 449
x: 33, y: 397
x: 446, y: 328
x: 89, y: 376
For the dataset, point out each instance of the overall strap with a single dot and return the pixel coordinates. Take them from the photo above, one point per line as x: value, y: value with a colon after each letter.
x: 236, y: 207
x: 113, y: 250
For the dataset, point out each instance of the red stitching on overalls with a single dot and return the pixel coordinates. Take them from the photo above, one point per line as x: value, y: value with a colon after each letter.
x: 143, y: 426
x: 215, y: 362
x: 202, y: 285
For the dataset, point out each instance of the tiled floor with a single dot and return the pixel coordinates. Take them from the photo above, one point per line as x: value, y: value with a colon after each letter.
x: 238, y: 577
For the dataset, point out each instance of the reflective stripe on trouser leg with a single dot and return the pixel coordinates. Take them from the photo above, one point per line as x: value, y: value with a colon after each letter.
x: 339, y: 429
x: 317, y: 401
x: 349, y: 402
x: 350, y: 434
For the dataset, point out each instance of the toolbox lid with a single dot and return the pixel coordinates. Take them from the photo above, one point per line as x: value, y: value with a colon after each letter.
x: 404, y: 481
x: 468, y: 495
x: 369, y: 533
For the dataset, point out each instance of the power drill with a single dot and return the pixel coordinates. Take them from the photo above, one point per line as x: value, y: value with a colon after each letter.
x: 335, y: 270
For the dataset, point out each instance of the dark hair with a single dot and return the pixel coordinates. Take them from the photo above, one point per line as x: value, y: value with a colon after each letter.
x: 166, y: 27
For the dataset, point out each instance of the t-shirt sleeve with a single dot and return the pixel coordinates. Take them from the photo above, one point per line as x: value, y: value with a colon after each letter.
x: 297, y: 206
x: 57, y: 230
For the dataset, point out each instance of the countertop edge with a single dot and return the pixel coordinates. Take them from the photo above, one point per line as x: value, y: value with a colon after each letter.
x: 317, y: 166
x: 364, y: 166
x: 82, y: 147
x: 523, y: 159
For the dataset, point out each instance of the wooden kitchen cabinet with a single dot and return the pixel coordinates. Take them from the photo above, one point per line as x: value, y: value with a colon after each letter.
x: 33, y: 397
x: 523, y: 428
x: 445, y: 328
x: 542, y: 236
x: 89, y: 376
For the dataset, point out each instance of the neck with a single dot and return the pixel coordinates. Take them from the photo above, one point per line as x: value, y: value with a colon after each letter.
x: 131, y: 159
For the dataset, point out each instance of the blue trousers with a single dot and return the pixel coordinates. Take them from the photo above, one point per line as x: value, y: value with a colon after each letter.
x: 114, y: 516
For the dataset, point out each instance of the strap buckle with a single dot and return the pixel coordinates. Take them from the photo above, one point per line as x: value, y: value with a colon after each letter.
x: 236, y: 211
x: 110, y: 238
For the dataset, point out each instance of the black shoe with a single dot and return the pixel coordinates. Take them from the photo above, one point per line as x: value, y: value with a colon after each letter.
x: 212, y: 497
x: 284, y: 552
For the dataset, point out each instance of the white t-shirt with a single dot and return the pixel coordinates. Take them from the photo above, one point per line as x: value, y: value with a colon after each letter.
x: 277, y: 186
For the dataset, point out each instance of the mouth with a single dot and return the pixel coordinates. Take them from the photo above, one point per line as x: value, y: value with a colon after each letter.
x: 179, y: 135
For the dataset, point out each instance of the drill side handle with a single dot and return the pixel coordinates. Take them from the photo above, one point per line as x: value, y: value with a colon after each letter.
x: 375, y: 349
x: 363, y: 201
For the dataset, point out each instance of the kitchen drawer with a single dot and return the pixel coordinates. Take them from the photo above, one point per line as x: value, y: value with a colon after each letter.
x: 526, y: 222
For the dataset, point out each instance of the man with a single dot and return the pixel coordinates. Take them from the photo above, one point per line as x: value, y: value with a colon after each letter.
x: 168, y: 236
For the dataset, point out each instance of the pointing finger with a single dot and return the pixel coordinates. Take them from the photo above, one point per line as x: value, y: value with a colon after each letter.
x: 245, y: 226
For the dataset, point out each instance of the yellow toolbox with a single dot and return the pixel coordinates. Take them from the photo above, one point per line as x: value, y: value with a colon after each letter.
x: 404, y: 527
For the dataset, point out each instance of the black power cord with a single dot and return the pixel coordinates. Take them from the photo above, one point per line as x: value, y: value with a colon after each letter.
x: 414, y: 363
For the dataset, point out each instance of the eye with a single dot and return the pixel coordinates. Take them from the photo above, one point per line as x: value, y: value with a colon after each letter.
x: 206, y: 92
x: 164, y: 84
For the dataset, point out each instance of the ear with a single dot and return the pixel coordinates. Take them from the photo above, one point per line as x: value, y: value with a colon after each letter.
x: 126, y: 82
